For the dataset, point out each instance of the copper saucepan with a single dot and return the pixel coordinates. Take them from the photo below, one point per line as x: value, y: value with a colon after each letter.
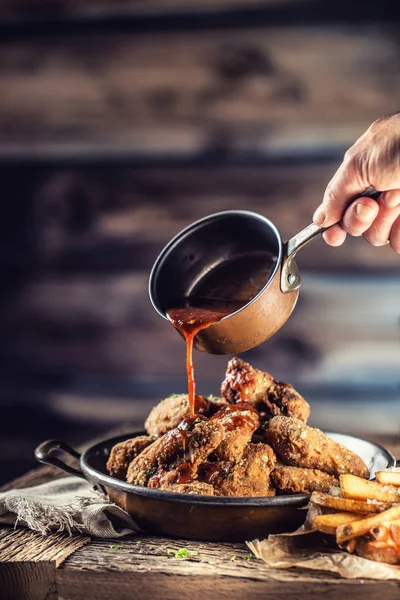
x: 256, y: 260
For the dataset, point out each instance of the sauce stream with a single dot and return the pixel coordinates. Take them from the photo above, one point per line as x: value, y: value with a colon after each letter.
x: 221, y: 292
x: 190, y: 320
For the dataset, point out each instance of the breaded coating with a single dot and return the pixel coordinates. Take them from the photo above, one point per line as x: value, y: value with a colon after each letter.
x: 239, y: 422
x: 295, y: 480
x: 122, y: 455
x: 168, y: 413
x: 244, y: 383
x: 250, y: 476
x: 301, y: 446
x: 174, y: 448
x: 164, y: 451
x: 194, y: 487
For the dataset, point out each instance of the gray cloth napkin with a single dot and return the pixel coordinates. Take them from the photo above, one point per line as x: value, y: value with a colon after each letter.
x: 68, y: 504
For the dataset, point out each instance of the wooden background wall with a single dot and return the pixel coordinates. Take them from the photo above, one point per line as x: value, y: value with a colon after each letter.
x: 122, y: 122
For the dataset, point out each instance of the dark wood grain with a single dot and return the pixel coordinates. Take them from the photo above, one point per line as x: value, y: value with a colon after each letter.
x: 23, y: 10
x: 82, y: 307
x: 28, y: 581
x: 258, y: 92
x: 62, y: 323
x: 202, y: 585
x: 110, y: 220
x: 211, y: 573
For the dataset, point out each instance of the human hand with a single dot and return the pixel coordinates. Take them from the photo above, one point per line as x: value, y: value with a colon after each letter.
x: 374, y: 160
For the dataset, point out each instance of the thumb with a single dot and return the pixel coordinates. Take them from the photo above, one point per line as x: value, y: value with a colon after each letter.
x: 344, y: 187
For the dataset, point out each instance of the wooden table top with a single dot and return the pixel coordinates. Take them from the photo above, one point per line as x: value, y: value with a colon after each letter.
x: 35, y: 567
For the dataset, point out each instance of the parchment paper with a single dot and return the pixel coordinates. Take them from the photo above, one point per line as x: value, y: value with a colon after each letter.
x: 311, y: 550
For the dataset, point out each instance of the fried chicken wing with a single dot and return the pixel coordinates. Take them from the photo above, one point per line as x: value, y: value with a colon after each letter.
x: 173, y: 449
x: 298, y: 445
x: 167, y: 414
x: 165, y: 450
x: 296, y: 480
x: 122, y: 455
x: 228, y: 447
x: 171, y: 411
x: 240, y: 421
x: 198, y: 488
x: 250, y: 476
x: 244, y: 383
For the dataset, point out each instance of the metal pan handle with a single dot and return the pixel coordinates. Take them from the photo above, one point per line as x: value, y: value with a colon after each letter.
x: 44, y: 451
x: 290, y: 276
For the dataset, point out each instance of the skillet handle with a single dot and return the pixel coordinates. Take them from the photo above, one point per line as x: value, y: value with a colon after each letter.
x: 290, y: 276
x: 44, y: 451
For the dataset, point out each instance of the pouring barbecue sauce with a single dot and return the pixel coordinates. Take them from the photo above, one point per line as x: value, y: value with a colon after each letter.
x: 223, y: 291
x: 190, y: 320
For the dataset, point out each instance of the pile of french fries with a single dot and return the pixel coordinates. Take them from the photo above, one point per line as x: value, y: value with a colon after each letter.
x: 364, y: 516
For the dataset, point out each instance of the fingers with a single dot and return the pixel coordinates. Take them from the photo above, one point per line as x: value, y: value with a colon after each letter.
x: 335, y: 235
x: 395, y: 236
x: 390, y: 199
x: 360, y: 215
x: 377, y: 222
x: 345, y: 185
x: 380, y: 231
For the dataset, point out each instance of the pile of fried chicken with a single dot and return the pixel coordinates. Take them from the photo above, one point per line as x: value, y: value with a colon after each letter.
x: 253, y: 441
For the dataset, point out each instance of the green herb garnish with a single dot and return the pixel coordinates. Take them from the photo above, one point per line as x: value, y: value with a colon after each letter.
x: 115, y: 547
x: 138, y: 543
x: 248, y: 556
x: 233, y: 557
x: 181, y: 553
x: 197, y: 420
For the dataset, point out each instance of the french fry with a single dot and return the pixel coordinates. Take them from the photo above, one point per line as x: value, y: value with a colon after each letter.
x: 381, y: 533
x: 389, y: 477
x: 362, y: 489
x: 379, y: 551
x: 358, y: 528
x: 351, y: 545
x: 347, y: 504
x: 329, y: 523
x: 395, y: 532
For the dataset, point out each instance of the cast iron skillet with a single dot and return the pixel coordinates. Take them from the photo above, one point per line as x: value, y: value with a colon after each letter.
x: 199, y: 517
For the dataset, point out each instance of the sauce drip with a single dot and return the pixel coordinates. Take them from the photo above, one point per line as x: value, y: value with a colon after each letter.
x: 184, y: 473
x: 185, y: 425
x: 208, y: 471
x: 225, y: 289
x: 190, y: 320
x: 236, y: 415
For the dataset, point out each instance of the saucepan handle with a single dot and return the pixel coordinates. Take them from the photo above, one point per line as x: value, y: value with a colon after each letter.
x: 44, y: 454
x: 290, y: 276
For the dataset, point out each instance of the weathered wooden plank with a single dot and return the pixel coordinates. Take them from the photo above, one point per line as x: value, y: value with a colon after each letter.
x: 20, y: 545
x: 30, y: 581
x: 23, y: 10
x: 341, y: 330
x: 116, y: 219
x: 258, y: 92
x: 99, y: 567
x: 78, y: 587
x: 23, y: 17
